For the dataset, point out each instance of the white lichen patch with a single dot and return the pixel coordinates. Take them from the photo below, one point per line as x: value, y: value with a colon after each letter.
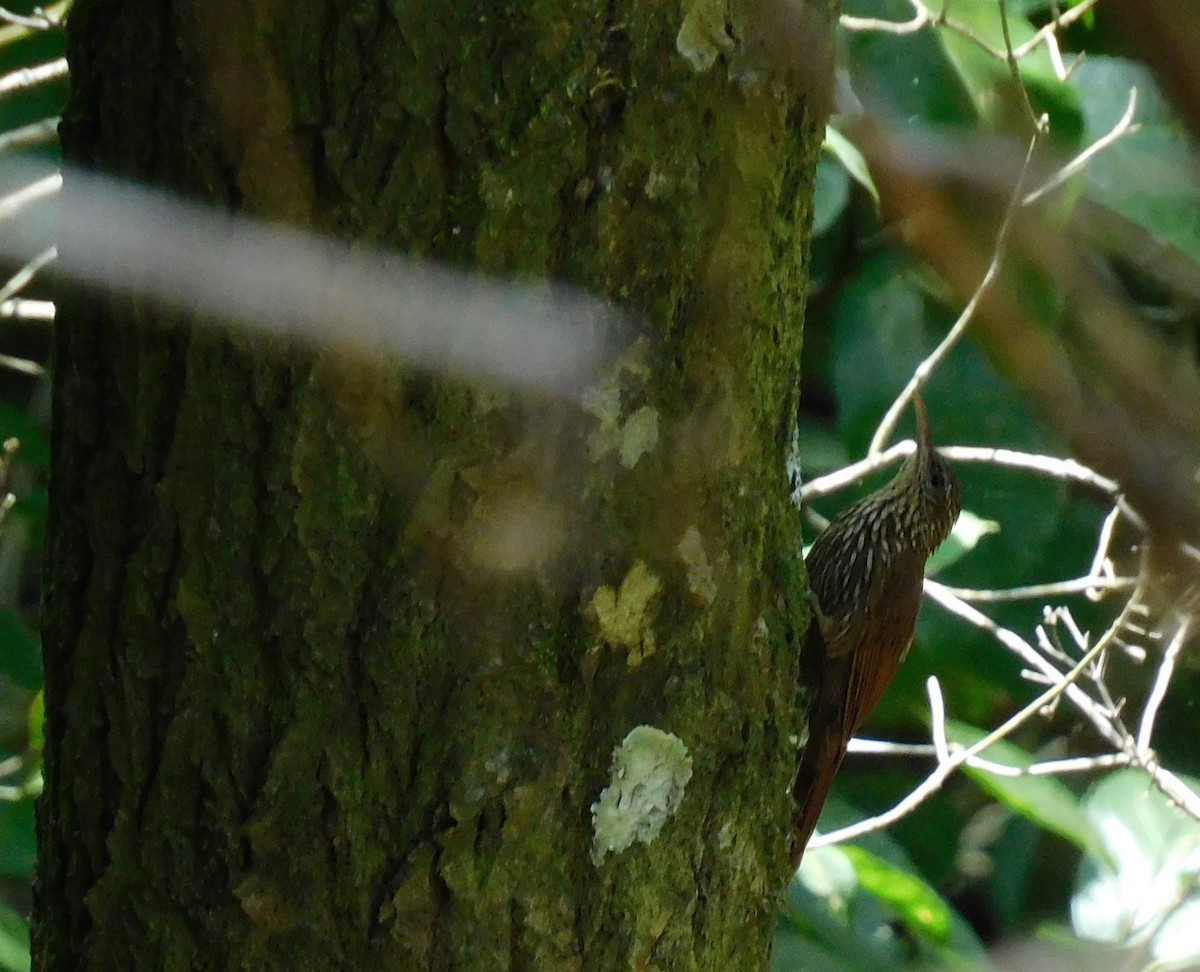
x: 637, y: 436
x: 657, y: 184
x: 650, y: 771
x: 604, y: 402
x: 701, y: 581
x: 625, y: 617
x: 760, y: 637
x: 703, y: 36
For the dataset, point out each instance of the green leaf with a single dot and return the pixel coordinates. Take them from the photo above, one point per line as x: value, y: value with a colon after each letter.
x: 1043, y: 800
x: 14, y: 940
x: 989, y: 78
x: 968, y: 531
x: 1148, y: 176
x: 917, y: 904
x: 793, y: 952
x: 852, y: 160
x: 878, y: 339
x: 818, y: 908
x: 831, y: 904
x: 1144, y: 889
x: 820, y: 450
x: 830, y: 195
x: 37, y: 720
x: 909, y: 74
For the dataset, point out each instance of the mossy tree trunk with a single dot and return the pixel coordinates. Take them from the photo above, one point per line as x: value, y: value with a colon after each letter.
x: 338, y: 654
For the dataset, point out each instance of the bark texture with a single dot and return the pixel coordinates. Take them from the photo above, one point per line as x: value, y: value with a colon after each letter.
x: 338, y: 652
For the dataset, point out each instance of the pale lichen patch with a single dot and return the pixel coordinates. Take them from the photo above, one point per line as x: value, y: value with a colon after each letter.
x: 638, y: 436
x: 701, y: 580
x: 604, y: 402
x: 650, y: 771
x: 703, y: 36
x: 625, y: 617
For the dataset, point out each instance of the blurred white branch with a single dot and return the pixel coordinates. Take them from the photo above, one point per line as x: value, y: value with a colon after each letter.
x: 30, y: 77
x: 281, y: 280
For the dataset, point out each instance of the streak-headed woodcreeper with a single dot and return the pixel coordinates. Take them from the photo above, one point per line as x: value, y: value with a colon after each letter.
x: 866, y: 572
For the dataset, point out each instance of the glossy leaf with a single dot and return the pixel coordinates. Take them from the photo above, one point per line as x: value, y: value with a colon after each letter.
x: 1044, y: 800
x: 852, y: 160
x: 989, y: 78
x: 916, y: 903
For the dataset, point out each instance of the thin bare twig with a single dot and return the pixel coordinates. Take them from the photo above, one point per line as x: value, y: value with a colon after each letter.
x: 22, y: 278
x: 1047, y: 33
x: 1123, y: 127
x: 888, y: 425
x: 1040, y: 123
x: 30, y: 77
x: 1158, y: 691
x: 29, y: 310
x: 35, y: 133
x: 877, y: 25
x: 42, y: 188
x: 945, y: 767
x: 1079, y: 585
x: 1050, y: 767
x: 39, y: 20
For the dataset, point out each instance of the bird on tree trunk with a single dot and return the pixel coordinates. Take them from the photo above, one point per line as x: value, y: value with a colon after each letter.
x: 866, y: 572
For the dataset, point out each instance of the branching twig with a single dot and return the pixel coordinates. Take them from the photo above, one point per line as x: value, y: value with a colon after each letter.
x: 1158, y: 692
x: 1063, y: 684
x: 1123, y: 127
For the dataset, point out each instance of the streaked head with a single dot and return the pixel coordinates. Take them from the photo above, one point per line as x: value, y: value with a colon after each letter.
x: 940, y: 495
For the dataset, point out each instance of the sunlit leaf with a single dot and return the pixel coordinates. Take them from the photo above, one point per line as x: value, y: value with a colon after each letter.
x: 852, y: 160
x: 968, y: 531
x: 37, y: 720
x: 1145, y: 888
x: 14, y: 940
x: 916, y: 903
x: 988, y: 77
x: 830, y: 195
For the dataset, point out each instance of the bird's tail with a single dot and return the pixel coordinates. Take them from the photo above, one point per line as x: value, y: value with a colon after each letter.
x: 818, y: 766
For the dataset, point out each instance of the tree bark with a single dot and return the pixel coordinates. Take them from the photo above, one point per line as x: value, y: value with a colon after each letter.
x: 339, y: 652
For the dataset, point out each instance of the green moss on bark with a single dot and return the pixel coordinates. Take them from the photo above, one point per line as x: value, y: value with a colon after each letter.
x: 327, y: 683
